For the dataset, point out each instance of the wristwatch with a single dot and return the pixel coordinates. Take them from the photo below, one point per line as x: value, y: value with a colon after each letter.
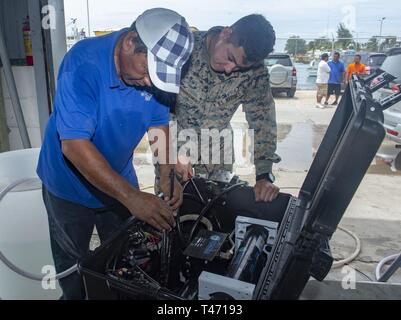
x: 268, y: 176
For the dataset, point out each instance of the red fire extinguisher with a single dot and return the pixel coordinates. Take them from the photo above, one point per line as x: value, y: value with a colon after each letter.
x: 27, y: 41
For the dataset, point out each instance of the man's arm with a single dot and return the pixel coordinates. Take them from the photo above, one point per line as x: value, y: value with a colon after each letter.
x: 347, y: 73
x: 260, y: 112
x: 363, y: 69
x: 327, y: 67
x: 160, y: 135
x: 94, y: 167
x: 76, y: 121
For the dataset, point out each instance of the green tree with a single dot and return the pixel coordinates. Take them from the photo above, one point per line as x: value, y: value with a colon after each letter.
x: 323, y: 44
x: 343, y: 32
x: 389, y: 42
x: 312, y: 46
x: 372, y: 45
x: 295, y: 45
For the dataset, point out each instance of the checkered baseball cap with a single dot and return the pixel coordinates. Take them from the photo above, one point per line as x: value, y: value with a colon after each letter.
x: 169, y: 40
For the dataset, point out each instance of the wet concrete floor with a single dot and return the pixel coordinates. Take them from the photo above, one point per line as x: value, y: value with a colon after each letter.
x: 298, y: 143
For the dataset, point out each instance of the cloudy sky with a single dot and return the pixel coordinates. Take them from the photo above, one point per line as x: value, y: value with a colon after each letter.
x: 306, y: 18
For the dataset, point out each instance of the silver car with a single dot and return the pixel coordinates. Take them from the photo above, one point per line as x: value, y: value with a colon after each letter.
x: 283, y: 74
x: 392, y: 116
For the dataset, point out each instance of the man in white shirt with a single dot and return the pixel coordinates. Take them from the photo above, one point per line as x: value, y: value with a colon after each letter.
x: 323, y: 75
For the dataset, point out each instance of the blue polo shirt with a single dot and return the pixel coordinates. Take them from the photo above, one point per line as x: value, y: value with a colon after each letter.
x: 92, y: 103
x: 337, y: 71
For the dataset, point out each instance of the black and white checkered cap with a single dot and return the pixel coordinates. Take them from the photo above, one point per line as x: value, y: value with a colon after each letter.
x: 170, y: 43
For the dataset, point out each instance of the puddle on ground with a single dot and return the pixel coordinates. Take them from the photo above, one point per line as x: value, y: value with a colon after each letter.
x: 298, y: 143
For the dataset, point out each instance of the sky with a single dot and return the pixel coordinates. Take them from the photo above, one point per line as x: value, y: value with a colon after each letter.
x: 308, y: 19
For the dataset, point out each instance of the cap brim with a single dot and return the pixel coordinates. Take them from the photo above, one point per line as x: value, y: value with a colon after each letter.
x: 164, y: 77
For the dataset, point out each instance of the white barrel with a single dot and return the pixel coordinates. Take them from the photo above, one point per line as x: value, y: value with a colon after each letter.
x: 24, y: 231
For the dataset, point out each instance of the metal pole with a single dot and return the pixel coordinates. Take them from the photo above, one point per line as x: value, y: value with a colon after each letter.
x: 4, y: 130
x: 381, y: 29
x: 89, y: 24
x: 10, y: 81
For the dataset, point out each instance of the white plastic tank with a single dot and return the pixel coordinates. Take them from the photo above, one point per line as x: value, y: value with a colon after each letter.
x: 24, y: 231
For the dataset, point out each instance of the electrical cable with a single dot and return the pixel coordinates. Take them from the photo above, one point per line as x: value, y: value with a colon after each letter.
x: 210, y: 205
x: 197, y: 191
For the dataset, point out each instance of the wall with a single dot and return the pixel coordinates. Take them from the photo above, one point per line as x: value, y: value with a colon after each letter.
x: 25, y: 81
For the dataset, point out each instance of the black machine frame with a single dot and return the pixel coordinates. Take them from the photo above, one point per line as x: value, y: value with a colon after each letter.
x: 344, y: 156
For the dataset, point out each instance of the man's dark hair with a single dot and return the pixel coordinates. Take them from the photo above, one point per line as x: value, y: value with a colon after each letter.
x: 140, y: 47
x: 325, y: 56
x: 337, y: 53
x: 358, y: 55
x: 256, y: 35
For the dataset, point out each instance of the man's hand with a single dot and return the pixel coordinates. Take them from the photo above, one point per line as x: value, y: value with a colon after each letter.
x: 152, y: 210
x: 184, y: 168
x: 176, y: 202
x: 93, y: 166
x: 265, y: 191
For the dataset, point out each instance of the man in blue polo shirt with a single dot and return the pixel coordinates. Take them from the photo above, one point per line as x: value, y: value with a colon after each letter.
x: 101, y: 113
x: 337, y: 76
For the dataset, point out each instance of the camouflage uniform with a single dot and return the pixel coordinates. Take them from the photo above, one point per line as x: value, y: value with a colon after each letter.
x: 208, y: 100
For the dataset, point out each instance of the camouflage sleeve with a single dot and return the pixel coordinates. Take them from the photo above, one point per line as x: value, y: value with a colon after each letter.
x: 260, y: 113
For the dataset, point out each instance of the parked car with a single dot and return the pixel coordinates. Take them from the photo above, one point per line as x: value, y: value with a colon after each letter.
x: 373, y: 61
x: 392, y: 116
x: 283, y: 74
x: 393, y: 51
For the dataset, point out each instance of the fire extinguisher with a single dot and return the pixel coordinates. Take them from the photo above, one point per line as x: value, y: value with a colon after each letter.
x: 27, y: 41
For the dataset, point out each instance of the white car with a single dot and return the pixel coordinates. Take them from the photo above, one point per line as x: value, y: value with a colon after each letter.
x: 392, y: 116
x: 283, y: 74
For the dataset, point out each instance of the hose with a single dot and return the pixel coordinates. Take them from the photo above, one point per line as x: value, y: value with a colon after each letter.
x: 210, y: 205
x: 194, y: 217
x: 382, y: 263
x: 355, y: 254
x: 11, y: 265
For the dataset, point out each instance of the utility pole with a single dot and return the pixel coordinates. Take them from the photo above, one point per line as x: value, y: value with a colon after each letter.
x: 381, y: 29
x: 357, y: 40
x: 89, y: 24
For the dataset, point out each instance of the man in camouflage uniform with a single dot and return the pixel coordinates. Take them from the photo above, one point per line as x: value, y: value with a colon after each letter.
x: 226, y: 70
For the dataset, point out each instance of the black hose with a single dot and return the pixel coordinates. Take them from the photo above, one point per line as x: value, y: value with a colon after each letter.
x: 209, y: 206
x: 180, y: 233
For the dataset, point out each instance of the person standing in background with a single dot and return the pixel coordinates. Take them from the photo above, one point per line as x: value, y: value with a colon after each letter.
x: 323, y: 74
x: 337, y: 76
x: 356, y: 68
